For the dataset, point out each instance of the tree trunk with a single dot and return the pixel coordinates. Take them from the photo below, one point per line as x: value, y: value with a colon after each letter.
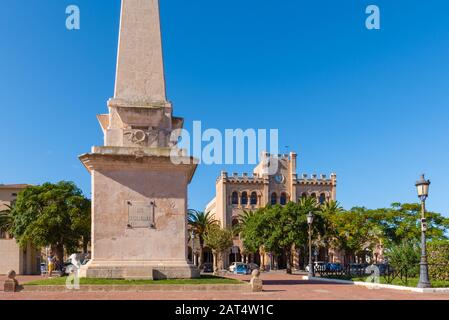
x: 85, y: 243
x: 59, y: 248
x: 288, y: 255
x: 200, y: 258
x: 214, y: 263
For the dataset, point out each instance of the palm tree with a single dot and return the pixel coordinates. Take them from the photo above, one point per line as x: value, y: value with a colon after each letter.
x: 6, y: 219
x: 239, y: 229
x: 200, y: 222
x: 329, y: 210
x: 243, y: 220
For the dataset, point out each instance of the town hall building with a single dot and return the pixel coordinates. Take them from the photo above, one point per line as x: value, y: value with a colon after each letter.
x: 237, y: 193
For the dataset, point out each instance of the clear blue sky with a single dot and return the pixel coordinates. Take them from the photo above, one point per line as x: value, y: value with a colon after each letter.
x: 369, y: 105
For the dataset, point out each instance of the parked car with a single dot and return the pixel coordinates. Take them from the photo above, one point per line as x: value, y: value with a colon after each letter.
x: 234, y: 265
x: 242, y: 268
x: 208, y: 268
x: 253, y: 266
x: 334, y: 267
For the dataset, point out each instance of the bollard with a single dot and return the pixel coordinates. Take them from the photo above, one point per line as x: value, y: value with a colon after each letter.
x: 11, y: 284
x: 256, y: 283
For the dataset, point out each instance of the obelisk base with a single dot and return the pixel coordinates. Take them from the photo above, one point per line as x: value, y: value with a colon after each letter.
x: 139, y: 214
x: 138, y: 270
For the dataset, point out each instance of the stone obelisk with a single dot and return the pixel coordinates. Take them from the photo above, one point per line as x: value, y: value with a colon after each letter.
x: 139, y: 193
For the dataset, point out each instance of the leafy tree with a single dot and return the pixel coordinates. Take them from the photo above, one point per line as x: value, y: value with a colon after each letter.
x: 405, y: 257
x: 277, y: 228
x: 357, y: 231
x: 354, y: 231
x: 199, y: 222
x: 250, y: 228
x: 402, y: 223
x: 218, y: 240
x: 56, y: 215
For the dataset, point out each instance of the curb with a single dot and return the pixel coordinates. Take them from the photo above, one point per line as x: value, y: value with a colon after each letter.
x: 379, y: 286
x: 139, y: 288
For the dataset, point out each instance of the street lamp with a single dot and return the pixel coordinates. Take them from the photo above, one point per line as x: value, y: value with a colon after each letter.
x: 192, y: 236
x: 309, y: 222
x: 422, y: 186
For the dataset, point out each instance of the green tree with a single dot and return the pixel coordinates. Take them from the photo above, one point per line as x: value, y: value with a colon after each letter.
x: 218, y: 240
x: 56, y: 215
x: 250, y: 228
x: 277, y: 229
x: 402, y: 223
x: 200, y: 222
x: 355, y: 231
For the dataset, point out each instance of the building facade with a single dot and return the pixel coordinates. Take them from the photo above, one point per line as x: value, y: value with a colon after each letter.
x: 236, y: 193
x: 12, y: 256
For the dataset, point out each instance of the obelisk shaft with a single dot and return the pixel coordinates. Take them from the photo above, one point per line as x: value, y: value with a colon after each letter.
x: 140, y: 69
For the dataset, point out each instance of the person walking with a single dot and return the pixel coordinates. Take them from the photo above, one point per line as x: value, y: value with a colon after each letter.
x: 50, y: 264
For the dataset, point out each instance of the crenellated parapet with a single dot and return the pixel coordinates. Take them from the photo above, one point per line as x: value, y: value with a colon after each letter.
x: 314, y: 180
x: 244, y: 178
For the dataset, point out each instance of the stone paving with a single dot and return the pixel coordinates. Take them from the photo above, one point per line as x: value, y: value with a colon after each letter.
x: 277, y: 286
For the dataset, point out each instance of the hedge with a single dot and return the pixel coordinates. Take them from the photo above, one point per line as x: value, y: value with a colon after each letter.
x: 438, y: 258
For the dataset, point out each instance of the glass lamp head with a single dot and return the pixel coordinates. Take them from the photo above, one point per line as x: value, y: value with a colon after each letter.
x: 310, y: 218
x: 422, y: 187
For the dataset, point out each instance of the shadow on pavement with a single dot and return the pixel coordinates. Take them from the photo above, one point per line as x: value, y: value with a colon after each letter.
x: 301, y: 282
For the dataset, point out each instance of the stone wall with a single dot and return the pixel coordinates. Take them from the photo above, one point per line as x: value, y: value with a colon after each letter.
x: 10, y: 256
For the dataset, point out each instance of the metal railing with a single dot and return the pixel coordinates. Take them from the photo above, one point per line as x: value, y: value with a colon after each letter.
x: 385, y: 272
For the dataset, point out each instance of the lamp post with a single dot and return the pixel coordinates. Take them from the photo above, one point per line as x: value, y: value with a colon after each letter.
x: 422, y: 187
x: 192, y: 236
x: 310, y: 222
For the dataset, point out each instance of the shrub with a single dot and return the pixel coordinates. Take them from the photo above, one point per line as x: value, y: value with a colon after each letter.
x: 405, y: 257
x: 438, y: 257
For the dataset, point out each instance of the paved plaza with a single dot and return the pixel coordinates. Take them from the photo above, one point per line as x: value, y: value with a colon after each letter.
x: 277, y: 286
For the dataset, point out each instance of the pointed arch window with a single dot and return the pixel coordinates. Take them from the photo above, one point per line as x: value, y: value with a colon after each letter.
x: 322, y: 198
x: 244, y: 198
x: 274, y: 198
x: 253, y: 198
x: 283, y: 198
x: 235, y: 198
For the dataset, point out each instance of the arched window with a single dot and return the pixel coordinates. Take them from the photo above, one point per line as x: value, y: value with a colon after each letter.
x: 235, y: 222
x: 235, y: 198
x: 322, y: 198
x: 253, y: 198
x: 274, y: 198
x: 313, y: 196
x: 304, y: 195
x: 283, y: 198
x: 245, y: 198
